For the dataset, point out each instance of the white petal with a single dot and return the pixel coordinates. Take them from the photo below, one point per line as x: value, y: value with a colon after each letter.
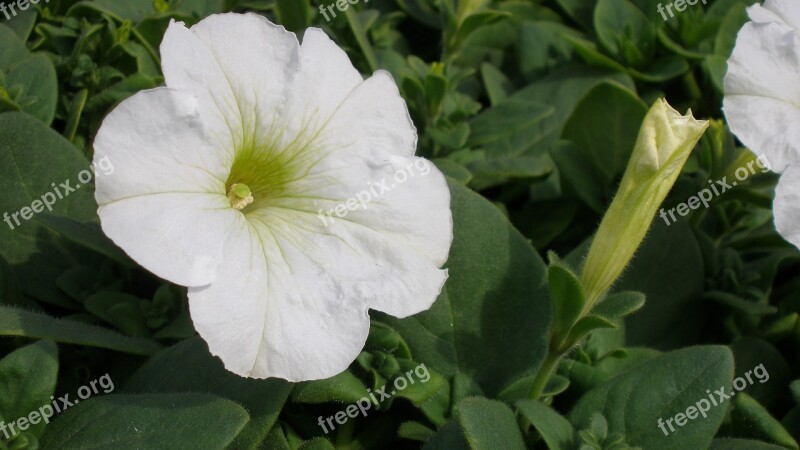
x: 359, y: 158
x: 767, y: 126
x: 388, y: 249
x: 385, y: 251
x: 787, y: 205
x: 325, y: 78
x: 177, y: 236
x: 161, y: 201
x: 787, y: 11
x: 156, y: 142
x: 762, y: 91
x: 273, y: 313
x: 239, y: 66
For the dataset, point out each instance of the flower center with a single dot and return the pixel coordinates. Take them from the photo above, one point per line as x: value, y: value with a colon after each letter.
x: 239, y: 196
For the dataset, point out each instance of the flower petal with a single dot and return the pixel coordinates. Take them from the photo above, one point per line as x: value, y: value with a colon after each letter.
x: 384, y: 252
x: 762, y: 90
x: 176, y: 236
x: 362, y: 159
x: 161, y: 204
x: 156, y: 142
x: 390, y: 265
x: 787, y: 205
x: 274, y: 313
x: 324, y: 80
x: 786, y: 11
x: 239, y: 66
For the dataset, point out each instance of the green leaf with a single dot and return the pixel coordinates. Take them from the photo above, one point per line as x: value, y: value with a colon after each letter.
x: 491, y: 172
x: 28, y: 378
x: 31, y: 84
x: 580, y: 173
x: 422, y: 383
x: 498, y: 86
x: 293, y: 14
x: 453, y: 170
x: 18, y: 322
x: 634, y: 401
x: 673, y: 282
x: 343, y: 388
x: 737, y: 303
x: 586, y: 325
x: 30, y: 80
x: 750, y: 419
x: 619, y: 305
x: 555, y: 429
x: 563, y: 89
x: 415, y: 431
x: 604, y: 127
x: 566, y: 292
x: 742, y: 444
x: 542, y: 47
x: 88, y: 235
x: 508, y: 129
x: 625, y: 31
x: 317, y: 444
x: 795, y: 388
x: 276, y: 440
x: 119, y: 309
x: 23, y: 23
x: 584, y: 377
x: 147, y: 421
x: 488, y: 424
x: 9, y: 288
x: 449, y: 437
x: 662, y: 69
x: 263, y: 399
x: 582, y: 11
x: 33, y: 158
x: 768, y: 369
x: 491, y: 320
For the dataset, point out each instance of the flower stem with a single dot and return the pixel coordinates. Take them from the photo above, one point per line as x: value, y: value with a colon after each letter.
x: 545, y: 372
x: 75, y: 112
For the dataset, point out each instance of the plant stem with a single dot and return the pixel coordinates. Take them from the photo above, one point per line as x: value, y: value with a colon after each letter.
x: 545, y: 372
x: 75, y: 112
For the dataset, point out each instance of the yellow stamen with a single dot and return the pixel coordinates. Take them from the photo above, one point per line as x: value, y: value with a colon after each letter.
x: 239, y: 196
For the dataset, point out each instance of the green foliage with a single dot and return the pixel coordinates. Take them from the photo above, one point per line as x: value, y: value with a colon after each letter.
x: 531, y: 108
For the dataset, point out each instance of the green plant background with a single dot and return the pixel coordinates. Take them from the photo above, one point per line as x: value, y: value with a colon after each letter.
x: 531, y: 108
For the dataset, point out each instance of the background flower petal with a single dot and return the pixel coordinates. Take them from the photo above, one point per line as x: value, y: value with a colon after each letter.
x: 787, y: 205
x: 762, y: 91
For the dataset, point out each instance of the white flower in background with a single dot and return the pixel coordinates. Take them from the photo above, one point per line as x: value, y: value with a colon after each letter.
x: 762, y: 100
x: 220, y: 177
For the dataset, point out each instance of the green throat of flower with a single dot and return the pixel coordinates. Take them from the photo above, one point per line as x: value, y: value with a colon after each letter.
x: 261, y: 175
x: 239, y: 196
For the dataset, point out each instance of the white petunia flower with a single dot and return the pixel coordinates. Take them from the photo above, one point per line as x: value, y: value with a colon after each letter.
x: 222, y: 174
x: 762, y: 100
